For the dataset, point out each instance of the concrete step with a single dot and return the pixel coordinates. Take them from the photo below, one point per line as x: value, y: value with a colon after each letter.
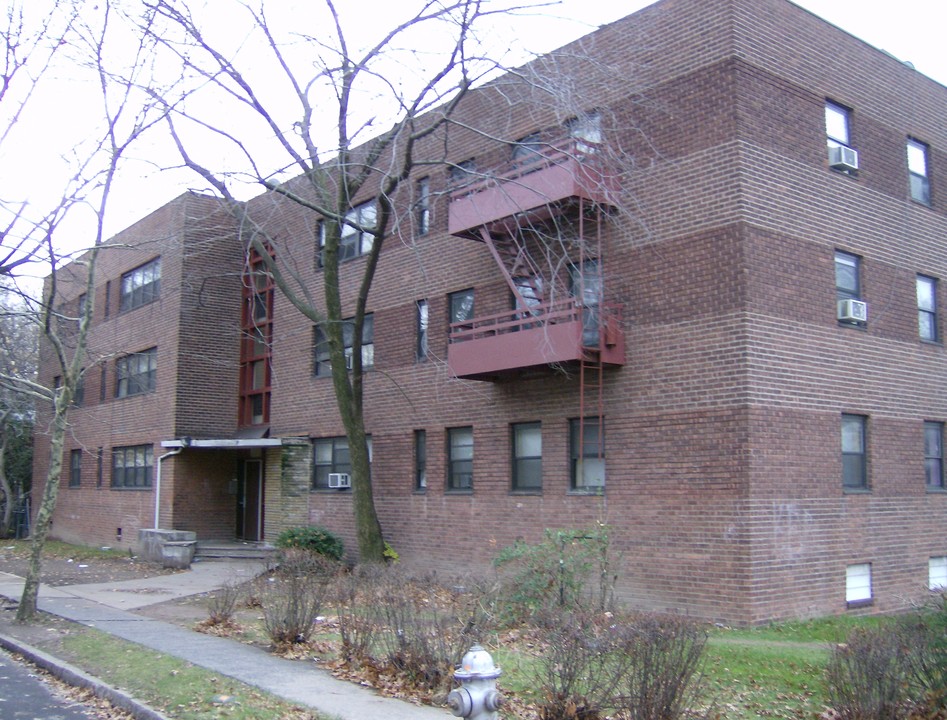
x: 232, y: 550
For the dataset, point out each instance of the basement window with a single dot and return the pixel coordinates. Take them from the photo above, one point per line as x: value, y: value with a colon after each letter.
x: 858, y: 585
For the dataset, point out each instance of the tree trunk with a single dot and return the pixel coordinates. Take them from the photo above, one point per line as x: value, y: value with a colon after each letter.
x: 8, y: 498
x: 28, y: 601
x: 371, y: 544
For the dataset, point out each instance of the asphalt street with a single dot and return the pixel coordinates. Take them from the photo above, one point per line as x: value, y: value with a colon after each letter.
x: 24, y: 696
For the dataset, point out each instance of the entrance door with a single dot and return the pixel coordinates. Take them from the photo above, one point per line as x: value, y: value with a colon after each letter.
x: 249, y: 524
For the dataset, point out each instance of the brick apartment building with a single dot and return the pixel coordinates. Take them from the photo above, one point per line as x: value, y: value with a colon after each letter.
x: 694, y: 296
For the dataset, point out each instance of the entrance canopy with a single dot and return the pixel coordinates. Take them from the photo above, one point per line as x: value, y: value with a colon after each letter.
x: 222, y: 443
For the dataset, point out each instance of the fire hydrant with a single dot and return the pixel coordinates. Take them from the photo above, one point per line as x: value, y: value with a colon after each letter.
x: 477, y: 698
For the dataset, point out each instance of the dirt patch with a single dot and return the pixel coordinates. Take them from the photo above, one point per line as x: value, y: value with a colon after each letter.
x: 58, y: 571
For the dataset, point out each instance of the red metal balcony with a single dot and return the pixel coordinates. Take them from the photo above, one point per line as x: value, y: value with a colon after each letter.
x: 489, y: 347
x: 532, y: 189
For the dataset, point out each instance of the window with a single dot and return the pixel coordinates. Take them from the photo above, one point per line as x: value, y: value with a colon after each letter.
x: 847, y: 276
x: 587, y: 453
x: 140, y: 286
x: 586, y: 131
x: 529, y: 297
x: 854, y: 465
x: 422, y: 207
x: 848, y: 288
x: 422, y: 324
x: 103, y: 381
x: 108, y: 298
x: 75, y: 468
x: 99, y: 454
x: 527, y: 149
x: 136, y: 373
x: 937, y: 573
x: 585, y: 284
x: 131, y: 466
x: 330, y: 455
x: 420, y: 460
x: 323, y: 362
x: 256, y: 352
x: 837, y: 125
x: 461, y: 306
x: 527, y: 444
x: 934, y: 455
x: 462, y: 173
x: 460, y: 458
x: 927, y: 308
x: 355, y: 234
x: 917, y: 172
x: 858, y: 584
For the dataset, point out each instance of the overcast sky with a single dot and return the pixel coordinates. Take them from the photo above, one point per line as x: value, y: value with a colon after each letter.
x: 911, y: 30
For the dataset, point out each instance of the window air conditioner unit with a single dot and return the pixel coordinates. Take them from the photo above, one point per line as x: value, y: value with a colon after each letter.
x: 340, y: 481
x: 843, y: 158
x: 852, y: 311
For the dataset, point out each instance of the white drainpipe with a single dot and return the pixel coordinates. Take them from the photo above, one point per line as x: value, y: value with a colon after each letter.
x: 177, y: 451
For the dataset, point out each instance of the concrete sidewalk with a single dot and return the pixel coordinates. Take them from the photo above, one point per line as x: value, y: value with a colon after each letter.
x: 106, y: 606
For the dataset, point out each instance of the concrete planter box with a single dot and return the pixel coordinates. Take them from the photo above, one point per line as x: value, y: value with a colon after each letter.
x: 171, y: 548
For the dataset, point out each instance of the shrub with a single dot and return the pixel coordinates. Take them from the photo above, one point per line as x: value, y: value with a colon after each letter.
x: 663, y: 671
x: 221, y: 605
x: 356, y: 599
x: 925, y: 637
x: 313, y: 538
x: 567, y: 570
x: 292, y: 598
x: 578, y: 669
x: 866, y: 676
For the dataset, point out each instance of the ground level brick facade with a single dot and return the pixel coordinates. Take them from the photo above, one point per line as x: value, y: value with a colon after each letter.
x: 723, y: 444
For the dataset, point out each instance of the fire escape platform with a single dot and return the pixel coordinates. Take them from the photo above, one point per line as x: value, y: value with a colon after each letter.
x: 529, y: 192
x: 490, y: 347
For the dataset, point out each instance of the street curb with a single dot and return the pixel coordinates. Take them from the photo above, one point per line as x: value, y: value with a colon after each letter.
x: 77, y: 678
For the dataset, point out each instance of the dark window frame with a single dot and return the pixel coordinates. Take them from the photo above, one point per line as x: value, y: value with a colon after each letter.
x: 460, y: 443
x: 527, y: 469
x: 845, y: 114
x: 356, y: 232
x: 854, y: 432
x: 140, y: 286
x: 422, y: 327
x: 927, y: 309
x: 934, y: 455
x: 420, y: 460
x: 918, y: 164
x: 132, y: 467
x: 322, y: 362
x: 461, y: 308
x: 131, y: 379
x: 422, y: 206
x: 339, y: 461
x: 75, y: 468
x: 594, y: 450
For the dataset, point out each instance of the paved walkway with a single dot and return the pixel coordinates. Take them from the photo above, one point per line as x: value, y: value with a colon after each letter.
x: 108, y: 606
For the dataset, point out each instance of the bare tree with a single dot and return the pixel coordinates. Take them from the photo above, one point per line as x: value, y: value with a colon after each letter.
x: 18, y: 358
x: 126, y: 113
x: 304, y: 85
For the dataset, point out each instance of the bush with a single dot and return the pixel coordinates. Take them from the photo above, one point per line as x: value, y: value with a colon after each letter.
x: 663, y: 674
x: 291, y: 603
x: 409, y: 628
x: 579, y: 669
x: 925, y: 637
x: 567, y: 570
x: 866, y: 676
x: 222, y: 604
x: 313, y: 538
